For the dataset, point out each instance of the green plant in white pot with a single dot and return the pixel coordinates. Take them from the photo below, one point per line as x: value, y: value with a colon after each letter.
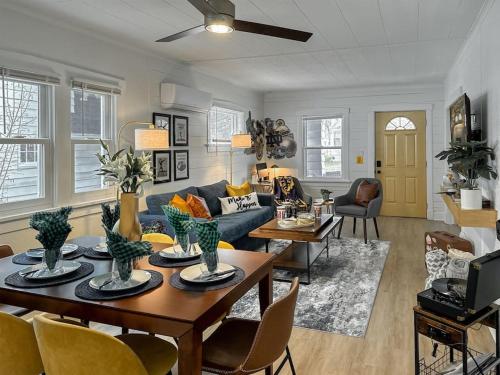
x: 471, y: 160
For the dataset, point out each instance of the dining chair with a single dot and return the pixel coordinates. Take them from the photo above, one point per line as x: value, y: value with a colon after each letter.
x: 72, y: 349
x: 158, y: 237
x: 19, y: 350
x: 6, y: 251
x: 225, y: 245
x: 242, y: 346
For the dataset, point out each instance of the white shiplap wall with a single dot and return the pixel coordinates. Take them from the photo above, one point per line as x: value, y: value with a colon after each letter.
x: 476, y: 72
x: 360, y: 104
x: 65, y: 51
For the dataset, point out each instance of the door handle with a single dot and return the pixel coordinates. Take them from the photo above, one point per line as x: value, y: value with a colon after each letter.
x: 379, y: 172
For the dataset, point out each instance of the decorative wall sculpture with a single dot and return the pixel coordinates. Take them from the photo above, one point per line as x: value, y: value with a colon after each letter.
x: 274, y: 135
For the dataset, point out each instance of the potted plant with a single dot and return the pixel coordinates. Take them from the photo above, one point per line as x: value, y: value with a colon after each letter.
x: 471, y: 160
x: 129, y: 172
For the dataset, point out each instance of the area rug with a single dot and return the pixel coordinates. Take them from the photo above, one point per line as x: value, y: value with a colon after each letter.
x: 342, y: 292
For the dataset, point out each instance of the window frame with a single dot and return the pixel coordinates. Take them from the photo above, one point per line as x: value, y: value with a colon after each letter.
x: 107, y: 136
x: 219, y: 145
x: 45, y: 142
x: 344, y: 114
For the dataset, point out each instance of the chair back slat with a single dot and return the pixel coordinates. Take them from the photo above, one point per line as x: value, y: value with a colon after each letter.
x: 6, y: 251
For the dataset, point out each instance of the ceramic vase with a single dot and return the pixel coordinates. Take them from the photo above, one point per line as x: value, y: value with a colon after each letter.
x: 471, y: 199
x: 129, y: 225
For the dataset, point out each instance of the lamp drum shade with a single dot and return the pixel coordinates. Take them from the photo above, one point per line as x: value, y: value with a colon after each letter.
x: 151, y: 139
x: 241, y: 141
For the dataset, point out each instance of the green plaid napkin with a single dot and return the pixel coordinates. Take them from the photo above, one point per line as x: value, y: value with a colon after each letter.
x: 124, y: 251
x: 175, y: 217
x: 52, y: 227
x: 110, y: 216
x: 208, y: 235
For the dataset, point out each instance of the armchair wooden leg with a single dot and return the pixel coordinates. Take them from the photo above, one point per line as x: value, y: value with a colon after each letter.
x: 364, y: 230
x: 376, y: 227
x: 354, y: 225
x: 340, y: 227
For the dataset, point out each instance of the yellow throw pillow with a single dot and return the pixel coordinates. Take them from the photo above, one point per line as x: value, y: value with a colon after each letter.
x: 181, y: 204
x: 238, y: 191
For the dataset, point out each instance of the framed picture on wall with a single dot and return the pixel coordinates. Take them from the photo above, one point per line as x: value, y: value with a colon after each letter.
x: 162, y: 167
x: 162, y: 120
x: 181, y: 165
x: 180, y: 131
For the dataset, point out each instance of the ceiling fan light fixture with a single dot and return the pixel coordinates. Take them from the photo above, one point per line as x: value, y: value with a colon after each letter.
x: 220, y: 24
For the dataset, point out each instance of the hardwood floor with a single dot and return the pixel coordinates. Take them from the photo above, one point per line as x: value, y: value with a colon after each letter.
x: 387, y: 348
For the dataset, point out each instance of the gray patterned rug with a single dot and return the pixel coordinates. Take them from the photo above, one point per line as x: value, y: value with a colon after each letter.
x: 342, y: 291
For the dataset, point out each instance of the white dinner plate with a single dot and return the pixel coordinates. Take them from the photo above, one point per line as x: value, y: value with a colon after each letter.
x: 104, y: 283
x: 170, y: 253
x: 67, y: 248
x: 101, y: 247
x: 42, y: 273
x: 198, y: 273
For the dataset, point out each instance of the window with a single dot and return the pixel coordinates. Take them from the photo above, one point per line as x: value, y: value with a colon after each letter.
x: 92, y: 116
x: 324, y: 147
x: 222, y: 124
x: 24, y: 137
x: 400, y: 123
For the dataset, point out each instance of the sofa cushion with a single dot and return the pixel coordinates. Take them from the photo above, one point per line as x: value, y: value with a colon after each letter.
x: 211, y: 193
x: 155, y: 201
x: 238, y: 191
x: 350, y: 210
x: 365, y: 193
x: 231, y: 205
x: 198, y: 206
x: 237, y: 225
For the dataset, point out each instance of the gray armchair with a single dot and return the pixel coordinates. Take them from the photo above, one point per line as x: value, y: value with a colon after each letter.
x: 345, y: 205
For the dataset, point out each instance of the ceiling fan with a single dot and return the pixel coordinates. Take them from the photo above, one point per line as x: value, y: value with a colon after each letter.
x: 219, y: 18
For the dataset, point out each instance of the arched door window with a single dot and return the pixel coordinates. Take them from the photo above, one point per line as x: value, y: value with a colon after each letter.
x: 400, y: 123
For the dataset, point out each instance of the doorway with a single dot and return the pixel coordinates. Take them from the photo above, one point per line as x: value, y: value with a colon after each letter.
x: 400, y: 157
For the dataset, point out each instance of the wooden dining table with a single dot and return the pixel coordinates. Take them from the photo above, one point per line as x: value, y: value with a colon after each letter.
x: 164, y: 310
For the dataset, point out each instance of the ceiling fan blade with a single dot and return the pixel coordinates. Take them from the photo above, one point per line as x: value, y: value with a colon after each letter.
x: 278, y: 32
x: 182, y: 34
x: 203, y: 6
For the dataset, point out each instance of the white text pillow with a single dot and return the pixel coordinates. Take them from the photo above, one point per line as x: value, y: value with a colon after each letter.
x: 231, y: 205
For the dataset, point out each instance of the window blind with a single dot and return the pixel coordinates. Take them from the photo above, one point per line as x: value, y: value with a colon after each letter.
x: 22, y: 75
x: 95, y: 87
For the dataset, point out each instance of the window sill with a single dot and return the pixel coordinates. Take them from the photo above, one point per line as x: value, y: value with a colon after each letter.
x: 325, y: 180
x: 17, y: 222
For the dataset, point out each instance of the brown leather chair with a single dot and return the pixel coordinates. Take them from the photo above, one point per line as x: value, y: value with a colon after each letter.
x: 6, y: 251
x: 241, y: 346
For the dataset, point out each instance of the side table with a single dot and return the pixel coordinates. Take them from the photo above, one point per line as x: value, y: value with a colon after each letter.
x: 454, y: 335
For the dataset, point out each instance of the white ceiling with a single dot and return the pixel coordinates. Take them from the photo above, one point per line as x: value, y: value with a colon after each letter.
x: 355, y: 42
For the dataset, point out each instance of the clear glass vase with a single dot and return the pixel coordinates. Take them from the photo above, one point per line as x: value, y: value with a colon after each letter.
x: 210, y: 261
x: 51, y: 263
x: 182, y: 245
x: 121, y: 274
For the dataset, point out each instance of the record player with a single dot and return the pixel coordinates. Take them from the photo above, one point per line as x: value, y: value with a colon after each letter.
x: 462, y: 299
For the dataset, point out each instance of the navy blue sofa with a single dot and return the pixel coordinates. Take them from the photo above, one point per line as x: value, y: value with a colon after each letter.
x: 234, y: 228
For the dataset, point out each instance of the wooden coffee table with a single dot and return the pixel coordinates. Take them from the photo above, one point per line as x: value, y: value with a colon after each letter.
x: 307, y: 243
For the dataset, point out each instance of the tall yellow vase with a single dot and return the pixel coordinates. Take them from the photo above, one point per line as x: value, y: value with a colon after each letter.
x: 129, y: 226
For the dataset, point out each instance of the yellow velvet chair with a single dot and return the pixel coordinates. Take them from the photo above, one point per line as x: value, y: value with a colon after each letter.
x: 70, y: 349
x: 158, y: 237
x: 19, y: 350
x: 225, y: 245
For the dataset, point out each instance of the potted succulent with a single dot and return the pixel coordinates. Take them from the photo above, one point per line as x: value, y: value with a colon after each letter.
x: 471, y: 160
x: 129, y: 172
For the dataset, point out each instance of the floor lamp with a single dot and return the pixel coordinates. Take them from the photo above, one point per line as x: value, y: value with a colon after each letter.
x: 149, y: 139
x: 240, y: 141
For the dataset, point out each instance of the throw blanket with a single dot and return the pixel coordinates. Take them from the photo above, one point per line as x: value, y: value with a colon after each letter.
x: 285, y: 190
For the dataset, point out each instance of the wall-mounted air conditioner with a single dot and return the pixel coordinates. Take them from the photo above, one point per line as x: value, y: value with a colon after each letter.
x: 175, y: 96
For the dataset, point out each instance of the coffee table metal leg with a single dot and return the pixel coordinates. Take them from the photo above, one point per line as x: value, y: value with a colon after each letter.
x: 327, y: 247
x: 267, y: 246
x: 308, y: 263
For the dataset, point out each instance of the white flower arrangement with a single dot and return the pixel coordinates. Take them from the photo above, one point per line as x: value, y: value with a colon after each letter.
x: 126, y: 170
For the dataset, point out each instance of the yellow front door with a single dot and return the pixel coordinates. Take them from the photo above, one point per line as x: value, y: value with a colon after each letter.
x: 401, y: 163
